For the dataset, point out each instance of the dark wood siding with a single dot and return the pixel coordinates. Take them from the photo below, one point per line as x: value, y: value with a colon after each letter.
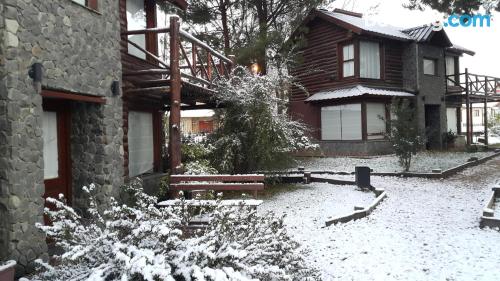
x: 319, y: 67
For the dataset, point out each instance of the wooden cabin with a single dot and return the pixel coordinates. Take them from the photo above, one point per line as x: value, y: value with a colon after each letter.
x: 351, y: 70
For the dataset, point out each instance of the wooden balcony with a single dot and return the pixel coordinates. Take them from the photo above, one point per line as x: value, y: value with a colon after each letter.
x: 185, y: 81
x: 195, y: 64
x: 467, y: 88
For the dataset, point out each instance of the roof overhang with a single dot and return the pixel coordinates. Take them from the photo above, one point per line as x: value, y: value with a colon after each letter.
x: 179, y: 3
x: 357, y: 91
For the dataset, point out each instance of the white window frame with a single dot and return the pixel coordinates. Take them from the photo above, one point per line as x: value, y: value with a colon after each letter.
x: 348, y: 60
x: 450, y: 70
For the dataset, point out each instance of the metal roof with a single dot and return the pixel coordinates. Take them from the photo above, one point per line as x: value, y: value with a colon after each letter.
x: 363, y: 24
x: 357, y: 91
x: 421, y: 33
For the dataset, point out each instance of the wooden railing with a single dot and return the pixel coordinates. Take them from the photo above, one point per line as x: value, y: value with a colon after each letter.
x: 198, y: 62
x: 473, y: 84
x: 473, y: 88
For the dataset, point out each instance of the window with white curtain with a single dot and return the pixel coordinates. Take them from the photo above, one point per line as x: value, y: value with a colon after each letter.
x: 451, y: 117
x: 136, y: 19
x: 140, y: 143
x: 50, y: 151
x: 369, y: 60
x: 450, y: 70
x: 341, y: 122
x: 375, y: 123
x: 348, y: 60
x: 430, y: 66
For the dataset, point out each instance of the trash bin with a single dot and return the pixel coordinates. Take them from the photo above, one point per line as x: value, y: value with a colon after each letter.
x: 363, y: 177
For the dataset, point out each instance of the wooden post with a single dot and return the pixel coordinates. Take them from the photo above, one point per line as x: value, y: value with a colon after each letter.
x: 467, y: 108
x: 175, y: 98
x: 485, y: 121
x: 209, y: 65
x: 195, y: 61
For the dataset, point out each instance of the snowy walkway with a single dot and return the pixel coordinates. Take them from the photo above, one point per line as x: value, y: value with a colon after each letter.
x: 424, y: 230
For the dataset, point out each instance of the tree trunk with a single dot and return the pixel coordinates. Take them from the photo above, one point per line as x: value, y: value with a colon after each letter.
x: 223, y: 6
x: 261, y: 6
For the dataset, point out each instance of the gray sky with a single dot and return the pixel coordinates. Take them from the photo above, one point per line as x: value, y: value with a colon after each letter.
x: 484, y: 41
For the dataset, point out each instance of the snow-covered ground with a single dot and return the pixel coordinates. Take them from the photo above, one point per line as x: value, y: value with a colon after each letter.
x: 423, y: 230
x: 422, y: 162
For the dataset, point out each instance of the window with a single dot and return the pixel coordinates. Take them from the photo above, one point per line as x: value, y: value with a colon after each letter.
x: 450, y: 70
x: 477, y: 113
x: 348, y: 60
x: 140, y: 143
x: 50, y: 151
x: 136, y: 19
x: 341, y: 122
x: 92, y: 4
x: 375, y: 123
x: 451, y: 117
x: 369, y: 60
x: 430, y: 67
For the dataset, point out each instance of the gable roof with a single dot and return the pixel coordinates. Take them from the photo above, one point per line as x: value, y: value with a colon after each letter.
x: 356, y: 23
x: 361, y: 26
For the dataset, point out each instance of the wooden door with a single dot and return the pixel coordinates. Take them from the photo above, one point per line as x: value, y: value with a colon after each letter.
x: 56, y: 151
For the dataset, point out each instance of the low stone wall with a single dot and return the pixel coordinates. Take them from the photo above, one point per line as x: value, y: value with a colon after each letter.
x: 488, y: 218
x: 360, y: 212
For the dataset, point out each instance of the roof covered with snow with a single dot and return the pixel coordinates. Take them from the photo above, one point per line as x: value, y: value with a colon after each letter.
x: 358, y: 24
x: 356, y: 91
x: 364, y: 25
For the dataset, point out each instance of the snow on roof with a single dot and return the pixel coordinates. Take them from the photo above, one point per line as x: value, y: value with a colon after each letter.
x: 197, y: 113
x: 461, y: 49
x: 356, y: 91
x: 386, y: 30
x: 419, y: 34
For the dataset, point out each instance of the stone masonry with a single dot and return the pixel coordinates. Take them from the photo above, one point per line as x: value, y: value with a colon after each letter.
x: 80, y: 52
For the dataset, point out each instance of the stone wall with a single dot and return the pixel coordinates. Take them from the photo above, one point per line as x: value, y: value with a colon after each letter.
x: 80, y: 52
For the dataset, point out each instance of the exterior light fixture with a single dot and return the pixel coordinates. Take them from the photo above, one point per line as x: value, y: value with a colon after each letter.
x: 36, y: 72
x: 255, y: 68
x: 115, y: 88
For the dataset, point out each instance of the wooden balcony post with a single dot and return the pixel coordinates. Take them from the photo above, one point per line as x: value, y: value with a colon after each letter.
x: 194, y: 58
x: 209, y: 66
x: 485, y: 111
x: 468, y: 108
x: 175, y: 98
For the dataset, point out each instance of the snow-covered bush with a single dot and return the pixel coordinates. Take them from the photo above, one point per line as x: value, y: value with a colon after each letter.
x: 255, y: 133
x: 404, y: 133
x: 199, y: 167
x: 140, y: 241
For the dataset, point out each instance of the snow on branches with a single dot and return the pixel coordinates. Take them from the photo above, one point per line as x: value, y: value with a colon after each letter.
x: 140, y: 241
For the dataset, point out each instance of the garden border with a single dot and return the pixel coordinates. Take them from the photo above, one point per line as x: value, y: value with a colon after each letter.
x: 488, y: 217
x: 359, y: 211
x: 435, y: 175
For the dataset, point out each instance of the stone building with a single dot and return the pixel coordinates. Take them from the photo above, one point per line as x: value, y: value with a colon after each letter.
x: 82, y: 99
x: 61, y: 132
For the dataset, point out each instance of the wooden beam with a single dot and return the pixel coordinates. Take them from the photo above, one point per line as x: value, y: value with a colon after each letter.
x: 148, y: 90
x: 72, y: 96
x: 147, y: 72
x: 174, y: 146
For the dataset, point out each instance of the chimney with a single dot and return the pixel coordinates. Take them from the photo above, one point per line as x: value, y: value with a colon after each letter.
x: 349, y: 13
